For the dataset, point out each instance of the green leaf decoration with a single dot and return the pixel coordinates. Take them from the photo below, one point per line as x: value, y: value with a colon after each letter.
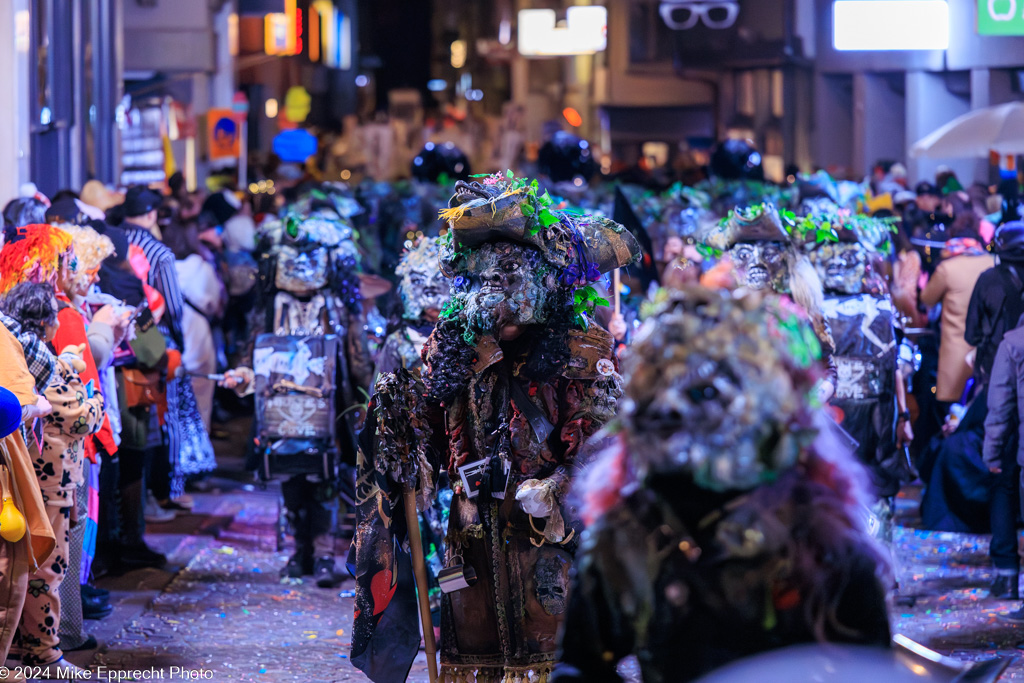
x: 546, y: 200
x: 527, y: 209
x: 547, y: 218
x: 708, y: 251
x: 480, y: 175
x: 509, y: 174
x: 826, y: 235
x: 452, y: 309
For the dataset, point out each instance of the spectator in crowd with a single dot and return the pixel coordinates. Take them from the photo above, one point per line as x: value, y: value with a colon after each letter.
x: 77, y: 413
x: 204, y: 298
x: 1003, y: 454
x: 998, y: 299
x: 188, y: 449
x: 964, y: 259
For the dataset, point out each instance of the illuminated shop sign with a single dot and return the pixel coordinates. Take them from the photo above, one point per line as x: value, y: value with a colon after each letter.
x: 682, y: 15
x: 1001, y: 17
x: 584, y: 32
x: 890, y: 25
x: 275, y: 34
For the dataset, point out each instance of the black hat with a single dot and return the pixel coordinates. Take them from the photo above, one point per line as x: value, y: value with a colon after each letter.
x: 924, y: 187
x: 66, y: 211
x: 218, y: 206
x: 140, y: 200
x: 736, y: 160
x: 1009, y: 241
x: 565, y: 157
x: 437, y: 159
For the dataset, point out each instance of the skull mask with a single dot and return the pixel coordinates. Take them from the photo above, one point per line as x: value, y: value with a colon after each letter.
x: 552, y: 587
x: 761, y: 265
x: 423, y: 287
x: 506, y: 284
x: 842, y: 267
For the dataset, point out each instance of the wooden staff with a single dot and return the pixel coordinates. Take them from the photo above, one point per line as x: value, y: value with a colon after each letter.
x: 419, y: 567
x: 615, y: 287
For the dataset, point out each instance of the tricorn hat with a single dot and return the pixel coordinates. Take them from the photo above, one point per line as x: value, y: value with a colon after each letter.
x: 757, y: 223
x: 501, y: 212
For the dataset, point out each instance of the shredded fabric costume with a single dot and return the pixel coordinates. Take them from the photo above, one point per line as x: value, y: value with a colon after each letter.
x: 517, y: 378
x: 725, y: 519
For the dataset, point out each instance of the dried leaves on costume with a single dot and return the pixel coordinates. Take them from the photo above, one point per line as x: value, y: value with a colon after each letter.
x: 727, y: 522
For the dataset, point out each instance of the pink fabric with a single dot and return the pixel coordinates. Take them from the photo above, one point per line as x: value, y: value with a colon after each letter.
x: 986, y: 230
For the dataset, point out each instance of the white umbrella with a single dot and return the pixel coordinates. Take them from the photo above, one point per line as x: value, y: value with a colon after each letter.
x: 975, y: 134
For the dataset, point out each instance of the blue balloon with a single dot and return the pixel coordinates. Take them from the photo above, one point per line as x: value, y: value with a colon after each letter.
x: 10, y: 412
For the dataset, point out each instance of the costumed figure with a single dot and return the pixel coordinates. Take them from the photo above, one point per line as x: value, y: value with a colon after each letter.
x: 77, y: 413
x: 723, y: 518
x: 310, y: 371
x: 423, y: 290
x: 516, y: 378
x: 760, y: 249
x: 870, y: 397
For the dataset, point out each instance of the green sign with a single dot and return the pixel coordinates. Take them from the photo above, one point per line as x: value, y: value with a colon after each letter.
x: 1001, y: 17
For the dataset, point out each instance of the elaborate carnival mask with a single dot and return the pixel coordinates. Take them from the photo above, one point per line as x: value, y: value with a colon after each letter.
x: 761, y: 265
x: 506, y: 284
x: 715, y: 385
x: 423, y: 286
x: 842, y: 266
x: 758, y: 245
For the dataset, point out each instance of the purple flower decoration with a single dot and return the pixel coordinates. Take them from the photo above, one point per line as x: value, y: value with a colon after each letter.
x: 460, y: 281
x: 571, y: 274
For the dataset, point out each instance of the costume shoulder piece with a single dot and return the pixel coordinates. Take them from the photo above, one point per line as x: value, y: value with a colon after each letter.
x: 591, y: 353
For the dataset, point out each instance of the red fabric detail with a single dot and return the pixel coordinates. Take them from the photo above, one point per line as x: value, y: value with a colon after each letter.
x: 140, y: 266
x: 382, y: 587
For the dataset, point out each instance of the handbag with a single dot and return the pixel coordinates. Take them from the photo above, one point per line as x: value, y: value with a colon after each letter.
x: 142, y: 388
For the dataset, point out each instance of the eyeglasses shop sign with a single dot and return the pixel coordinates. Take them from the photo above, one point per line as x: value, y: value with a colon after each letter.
x: 1001, y: 17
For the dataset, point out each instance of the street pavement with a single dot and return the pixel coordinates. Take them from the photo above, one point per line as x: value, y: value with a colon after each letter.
x: 221, y: 607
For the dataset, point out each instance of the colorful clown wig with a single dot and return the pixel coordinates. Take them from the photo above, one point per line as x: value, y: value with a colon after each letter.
x: 36, y: 254
x: 91, y: 249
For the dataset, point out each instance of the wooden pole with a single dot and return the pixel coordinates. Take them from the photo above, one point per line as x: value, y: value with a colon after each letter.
x: 419, y: 567
x: 616, y: 285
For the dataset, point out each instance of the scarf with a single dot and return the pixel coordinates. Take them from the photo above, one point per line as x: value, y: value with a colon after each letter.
x: 963, y: 246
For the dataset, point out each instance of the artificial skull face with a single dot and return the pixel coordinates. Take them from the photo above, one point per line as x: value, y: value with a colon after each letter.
x: 761, y: 265
x: 424, y: 288
x: 508, y: 286
x: 842, y: 267
x: 552, y: 582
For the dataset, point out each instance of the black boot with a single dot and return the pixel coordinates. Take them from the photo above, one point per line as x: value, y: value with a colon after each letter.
x: 1005, y: 587
x: 299, y: 564
x: 324, y: 572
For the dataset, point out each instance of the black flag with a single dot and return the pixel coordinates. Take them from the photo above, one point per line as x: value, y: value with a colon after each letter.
x: 624, y: 215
